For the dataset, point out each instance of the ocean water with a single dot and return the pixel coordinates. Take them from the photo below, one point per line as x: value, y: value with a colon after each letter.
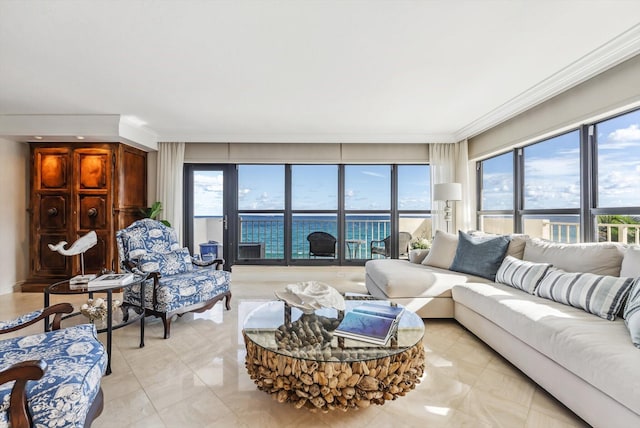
x: 359, y: 232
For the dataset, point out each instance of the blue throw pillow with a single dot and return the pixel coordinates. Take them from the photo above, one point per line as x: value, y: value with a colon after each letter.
x: 480, y: 255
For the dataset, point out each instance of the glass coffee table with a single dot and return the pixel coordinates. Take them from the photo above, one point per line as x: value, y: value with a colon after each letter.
x: 296, y: 357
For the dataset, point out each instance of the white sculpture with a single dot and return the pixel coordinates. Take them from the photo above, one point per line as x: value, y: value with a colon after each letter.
x: 79, y: 247
x: 311, y: 295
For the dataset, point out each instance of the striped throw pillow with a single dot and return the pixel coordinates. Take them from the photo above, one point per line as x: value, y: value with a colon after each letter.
x: 597, y: 294
x: 521, y: 274
x: 632, y: 313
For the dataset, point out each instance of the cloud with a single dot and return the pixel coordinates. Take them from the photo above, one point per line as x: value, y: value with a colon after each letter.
x: 623, y: 135
x: 374, y: 174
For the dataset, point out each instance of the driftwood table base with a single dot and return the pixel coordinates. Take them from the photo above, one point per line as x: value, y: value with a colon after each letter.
x: 324, y: 386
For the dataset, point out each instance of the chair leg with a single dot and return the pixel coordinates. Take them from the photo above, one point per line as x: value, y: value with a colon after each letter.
x: 167, y: 325
x: 227, y: 301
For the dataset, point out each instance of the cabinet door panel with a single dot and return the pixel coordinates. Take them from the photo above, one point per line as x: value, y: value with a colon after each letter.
x: 53, y: 212
x: 95, y: 257
x: 133, y: 187
x: 53, y: 171
x: 93, y: 212
x: 93, y: 170
x: 51, y: 262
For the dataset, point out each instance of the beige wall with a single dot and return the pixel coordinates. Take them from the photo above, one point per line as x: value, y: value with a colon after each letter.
x: 613, y: 91
x: 14, y: 197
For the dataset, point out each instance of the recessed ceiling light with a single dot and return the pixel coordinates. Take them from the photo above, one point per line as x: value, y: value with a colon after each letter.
x: 79, y: 137
x: 38, y: 137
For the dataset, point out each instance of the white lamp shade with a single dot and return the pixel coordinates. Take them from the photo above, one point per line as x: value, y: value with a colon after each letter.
x: 447, y: 192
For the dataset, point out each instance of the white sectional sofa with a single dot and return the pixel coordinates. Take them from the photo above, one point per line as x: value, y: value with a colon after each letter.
x: 589, y: 363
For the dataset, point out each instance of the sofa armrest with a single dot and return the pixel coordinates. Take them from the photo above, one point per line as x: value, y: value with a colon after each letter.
x: 32, y: 317
x: 21, y: 373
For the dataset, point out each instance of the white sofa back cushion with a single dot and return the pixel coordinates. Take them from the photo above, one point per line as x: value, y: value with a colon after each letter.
x: 631, y: 262
x: 443, y: 250
x: 603, y: 258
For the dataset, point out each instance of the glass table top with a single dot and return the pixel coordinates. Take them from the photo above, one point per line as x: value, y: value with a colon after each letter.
x: 288, y: 331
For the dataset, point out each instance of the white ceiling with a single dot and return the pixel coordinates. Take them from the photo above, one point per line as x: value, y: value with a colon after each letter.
x: 303, y: 71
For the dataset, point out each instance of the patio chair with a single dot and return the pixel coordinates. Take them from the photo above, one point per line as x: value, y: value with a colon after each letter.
x: 179, y: 283
x: 383, y: 246
x: 321, y: 244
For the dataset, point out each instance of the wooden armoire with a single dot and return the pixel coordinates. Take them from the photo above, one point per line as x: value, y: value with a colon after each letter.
x: 76, y: 188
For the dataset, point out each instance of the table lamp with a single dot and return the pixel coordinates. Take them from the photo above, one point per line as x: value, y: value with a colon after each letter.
x: 79, y: 247
x: 447, y: 192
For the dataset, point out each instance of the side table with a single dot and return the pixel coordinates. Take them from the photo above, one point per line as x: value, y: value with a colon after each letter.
x: 131, y: 313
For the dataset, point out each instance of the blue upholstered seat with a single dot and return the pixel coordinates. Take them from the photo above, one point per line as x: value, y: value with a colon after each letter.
x: 75, y: 363
x: 178, y: 283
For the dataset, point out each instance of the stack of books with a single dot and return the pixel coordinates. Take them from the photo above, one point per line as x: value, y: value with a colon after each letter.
x: 111, y: 280
x: 370, y: 322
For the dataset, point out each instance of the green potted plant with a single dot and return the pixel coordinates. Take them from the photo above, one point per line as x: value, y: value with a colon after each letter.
x: 153, y: 212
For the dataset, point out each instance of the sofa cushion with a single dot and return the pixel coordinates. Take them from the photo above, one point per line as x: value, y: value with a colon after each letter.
x: 521, y: 274
x: 398, y: 278
x: 631, y: 262
x: 479, y: 255
x: 76, y: 361
x: 171, y: 263
x: 600, y: 258
x: 597, y: 294
x: 443, y: 250
x: 632, y: 313
x: 596, y: 350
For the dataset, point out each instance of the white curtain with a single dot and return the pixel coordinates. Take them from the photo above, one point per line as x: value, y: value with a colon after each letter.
x: 449, y: 164
x: 169, y: 179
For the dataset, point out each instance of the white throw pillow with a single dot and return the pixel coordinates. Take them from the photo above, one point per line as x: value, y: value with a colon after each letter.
x: 443, y: 250
x: 516, y: 244
x: 631, y: 262
x: 597, y: 294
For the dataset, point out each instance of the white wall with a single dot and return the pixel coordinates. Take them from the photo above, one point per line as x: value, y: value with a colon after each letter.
x: 14, y: 227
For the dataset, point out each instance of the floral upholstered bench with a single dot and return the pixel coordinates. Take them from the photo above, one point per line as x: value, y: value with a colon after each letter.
x: 57, y: 374
x: 179, y: 283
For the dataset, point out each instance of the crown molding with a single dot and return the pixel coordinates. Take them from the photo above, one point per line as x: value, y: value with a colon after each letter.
x: 312, y: 138
x: 610, y: 54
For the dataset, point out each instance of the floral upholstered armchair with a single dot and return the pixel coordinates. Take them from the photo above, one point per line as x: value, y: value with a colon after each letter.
x: 57, y: 373
x: 178, y: 283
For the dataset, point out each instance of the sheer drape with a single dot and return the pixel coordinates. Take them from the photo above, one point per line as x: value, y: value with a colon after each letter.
x: 450, y: 164
x: 169, y: 177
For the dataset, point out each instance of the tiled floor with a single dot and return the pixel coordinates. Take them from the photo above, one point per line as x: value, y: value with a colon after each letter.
x: 197, y: 377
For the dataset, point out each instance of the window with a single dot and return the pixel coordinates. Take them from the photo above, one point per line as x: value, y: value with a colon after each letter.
x: 496, y: 194
x: 261, y: 212
x: 617, y: 213
x: 414, y: 203
x: 314, y: 204
x: 555, y: 188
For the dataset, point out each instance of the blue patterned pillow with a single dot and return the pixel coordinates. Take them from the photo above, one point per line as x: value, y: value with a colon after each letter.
x: 632, y: 313
x: 521, y: 274
x: 172, y: 263
x: 480, y: 255
x: 597, y: 294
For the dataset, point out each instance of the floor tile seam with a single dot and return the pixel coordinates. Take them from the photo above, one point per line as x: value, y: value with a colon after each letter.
x: 523, y: 378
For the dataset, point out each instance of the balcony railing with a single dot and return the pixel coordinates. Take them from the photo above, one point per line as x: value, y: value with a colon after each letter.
x: 607, y: 232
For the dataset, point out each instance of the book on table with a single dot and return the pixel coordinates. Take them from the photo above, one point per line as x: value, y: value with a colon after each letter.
x: 370, y: 322
x: 111, y: 280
